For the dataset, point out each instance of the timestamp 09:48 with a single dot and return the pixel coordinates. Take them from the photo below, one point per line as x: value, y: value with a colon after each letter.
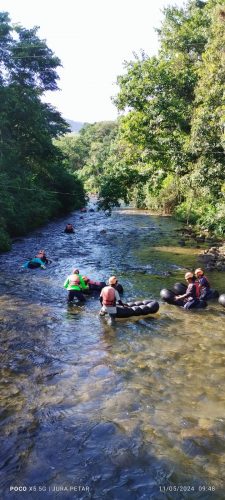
x: 185, y: 488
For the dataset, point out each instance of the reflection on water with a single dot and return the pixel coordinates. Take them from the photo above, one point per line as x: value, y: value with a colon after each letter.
x: 130, y: 412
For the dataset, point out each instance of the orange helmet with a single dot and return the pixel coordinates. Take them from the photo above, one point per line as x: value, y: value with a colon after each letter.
x: 199, y: 271
x: 113, y: 280
x: 76, y: 271
x: 189, y: 275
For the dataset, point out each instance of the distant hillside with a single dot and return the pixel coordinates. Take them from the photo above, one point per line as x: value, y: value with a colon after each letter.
x: 75, y: 126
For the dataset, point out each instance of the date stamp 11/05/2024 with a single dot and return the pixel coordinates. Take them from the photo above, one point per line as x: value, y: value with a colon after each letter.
x: 186, y: 488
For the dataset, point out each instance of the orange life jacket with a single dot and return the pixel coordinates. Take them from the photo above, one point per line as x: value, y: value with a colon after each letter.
x: 74, y: 280
x: 108, y: 296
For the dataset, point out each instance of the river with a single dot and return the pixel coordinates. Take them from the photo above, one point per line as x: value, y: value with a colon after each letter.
x: 89, y: 410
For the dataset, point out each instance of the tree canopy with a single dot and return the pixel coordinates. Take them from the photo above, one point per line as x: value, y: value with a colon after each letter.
x: 34, y: 185
x: 168, y: 153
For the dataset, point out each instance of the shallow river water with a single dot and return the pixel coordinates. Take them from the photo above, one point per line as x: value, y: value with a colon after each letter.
x: 133, y: 411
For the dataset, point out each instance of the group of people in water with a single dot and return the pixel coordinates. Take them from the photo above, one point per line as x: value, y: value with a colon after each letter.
x: 192, y: 295
x: 198, y: 288
x: 78, y: 285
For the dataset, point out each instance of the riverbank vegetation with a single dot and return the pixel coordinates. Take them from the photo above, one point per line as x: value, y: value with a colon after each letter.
x: 34, y: 184
x: 166, y: 151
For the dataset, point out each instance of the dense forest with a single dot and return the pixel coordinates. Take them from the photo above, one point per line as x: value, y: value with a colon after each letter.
x: 166, y: 151
x: 34, y: 184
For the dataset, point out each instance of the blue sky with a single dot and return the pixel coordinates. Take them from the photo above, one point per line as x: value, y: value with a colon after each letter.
x: 92, y: 38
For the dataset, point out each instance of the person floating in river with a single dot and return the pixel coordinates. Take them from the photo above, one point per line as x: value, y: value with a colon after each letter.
x: 42, y: 255
x: 190, y: 298
x: 93, y: 285
x: 34, y: 264
x: 109, y: 296
x: 205, y: 291
x: 73, y: 285
x: 69, y: 229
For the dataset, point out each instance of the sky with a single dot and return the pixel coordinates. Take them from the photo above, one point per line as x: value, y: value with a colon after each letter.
x: 92, y: 38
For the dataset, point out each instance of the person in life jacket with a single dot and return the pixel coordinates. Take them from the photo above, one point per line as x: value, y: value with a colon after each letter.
x: 191, y: 297
x: 69, y: 228
x: 109, y: 297
x: 83, y: 285
x: 42, y: 255
x: 34, y: 264
x: 204, y: 286
x: 93, y: 285
x: 72, y: 284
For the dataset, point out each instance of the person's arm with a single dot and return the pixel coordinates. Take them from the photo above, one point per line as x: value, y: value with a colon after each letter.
x: 186, y: 294
x: 66, y: 283
x: 118, y: 299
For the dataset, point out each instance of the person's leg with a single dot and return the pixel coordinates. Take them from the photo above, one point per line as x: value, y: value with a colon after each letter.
x: 112, y: 319
x: 79, y: 295
x: 70, y: 296
x: 190, y: 304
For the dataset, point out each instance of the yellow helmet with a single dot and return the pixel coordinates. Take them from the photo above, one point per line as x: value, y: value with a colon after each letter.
x: 199, y: 271
x: 189, y: 275
x: 113, y: 280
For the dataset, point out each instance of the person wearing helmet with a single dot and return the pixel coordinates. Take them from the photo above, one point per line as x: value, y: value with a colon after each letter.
x: 83, y: 285
x: 109, y: 297
x: 191, y: 297
x: 204, y: 286
x: 72, y: 284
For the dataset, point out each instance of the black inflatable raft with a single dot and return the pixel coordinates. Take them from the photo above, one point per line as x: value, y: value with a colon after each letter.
x: 180, y: 289
x: 139, y: 308
x: 221, y: 300
x: 96, y: 286
x: 169, y: 297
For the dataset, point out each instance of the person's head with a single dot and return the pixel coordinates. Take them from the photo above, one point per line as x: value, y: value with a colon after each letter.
x: 189, y: 277
x: 113, y: 280
x: 199, y: 272
x: 86, y: 279
x: 76, y: 271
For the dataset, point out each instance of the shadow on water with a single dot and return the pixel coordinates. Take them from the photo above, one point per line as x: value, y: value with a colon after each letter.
x: 134, y: 411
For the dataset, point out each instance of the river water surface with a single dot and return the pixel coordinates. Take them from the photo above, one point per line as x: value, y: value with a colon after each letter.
x: 133, y: 411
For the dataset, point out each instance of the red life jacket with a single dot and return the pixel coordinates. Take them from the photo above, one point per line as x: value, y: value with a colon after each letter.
x: 91, y: 282
x: 108, y: 296
x: 197, y: 289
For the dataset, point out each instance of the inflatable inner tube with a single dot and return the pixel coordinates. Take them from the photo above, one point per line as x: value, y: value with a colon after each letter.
x: 180, y: 289
x: 150, y: 307
x: 221, y: 300
x: 96, y: 286
x: 168, y: 296
x: 212, y: 294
